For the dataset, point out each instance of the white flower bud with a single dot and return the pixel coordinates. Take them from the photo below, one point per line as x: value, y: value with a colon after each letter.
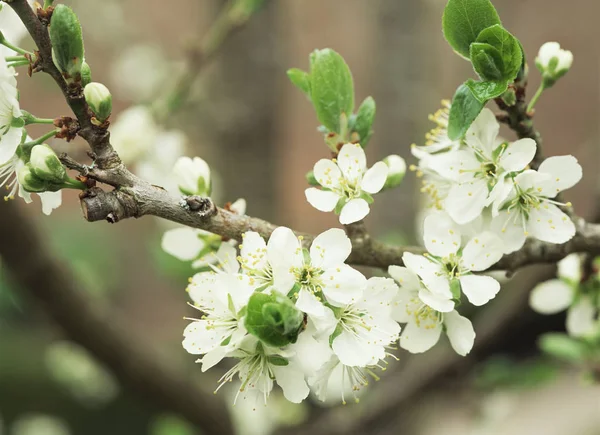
x: 29, y: 181
x: 99, y: 99
x: 133, y: 132
x: 553, y: 62
x: 192, y: 176
x: 45, y: 164
x: 397, y: 169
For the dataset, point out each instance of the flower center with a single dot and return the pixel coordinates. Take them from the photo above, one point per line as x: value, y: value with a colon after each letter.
x: 424, y: 316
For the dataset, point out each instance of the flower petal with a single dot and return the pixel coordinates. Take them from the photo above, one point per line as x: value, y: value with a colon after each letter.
x: 375, y: 178
x: 581, y: 318
x: 440, y: 234
x: 418, y: 340
x: 483, y: 251
x: 551, y: 297
x: 284, y: 250
x: 253, y: 251
x: 564, y: 171
x: 483, y: 133
x: 549, y: 224
x: 352, y: 162
x: 479, y: 289
x: 430, y: 273
x: 50, y: 201
x: 460, y: 332
x: 352, y: 350
x: 343, y: 285
x: 310, y: 304
x: 330, y: 249
x: 436, y: 301
x: 466, y: 201
x: 322, y: 200
x: 353, y: 211
x: 405, y: 277
x: 9, y: 143
x: 518, y: 155
x: 570, y: 267
x: 182, y: 243
x: 327, y: 174
x: 213, y: 357
x: 291, y: 380
x: 508, y: 226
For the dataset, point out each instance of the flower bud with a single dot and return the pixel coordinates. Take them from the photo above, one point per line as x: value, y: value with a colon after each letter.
x: 397, y: 169
x: 192, y: 176
x: 46, y: 166
x: 67, y: 42
x: 99, y: 99
x: 553, y: 62
x: 29, y: 181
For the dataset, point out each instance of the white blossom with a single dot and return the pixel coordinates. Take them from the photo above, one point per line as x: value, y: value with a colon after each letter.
x: 554, y: 60
x: 347, y: 184
x: 11, y: 127
x: 12, y: 28
x: 530, y: 209
x: 192, y: 176
x: 133, y: 133
x: 482, y: 169
x: 424, y: 324
x: 567, y: 292
x: 437, y: 139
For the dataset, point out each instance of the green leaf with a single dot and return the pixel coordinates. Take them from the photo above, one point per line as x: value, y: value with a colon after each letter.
x: 300, y: 79
x: 465, y: 108
x: 364, y: 121
x: 488, y: 90
x: 463, y: 20
x: 507, y: 46
x: 273, y: 318
x: 487, y: 61
x: 67, y: 42
x: 331, y: 88
x: 563, y: 347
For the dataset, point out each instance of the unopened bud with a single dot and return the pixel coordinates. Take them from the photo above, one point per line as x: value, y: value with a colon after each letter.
x: 46, y: 165
x: 67, y: 43
x: 553, y: 62
x: 99, y: 99
x: 86, y: 74
x: 192, y: 176
x: 29, y: 181
x: 396, y: 172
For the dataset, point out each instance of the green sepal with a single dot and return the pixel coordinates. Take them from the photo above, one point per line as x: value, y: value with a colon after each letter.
x: 277, y: 360
x: 31, y: 182
x: 226, y: 341
x: 331, y: 88
x: 273, y: 318
x: 464, y: 110
x: 367, y: 197
x: 338, y: 330
x: 67, y: 42
x: 310, y: 178
x: 463, y: 20
x: 340, y: 205
x: 455, y: 289
x: 44, y: 163
x: 486, y: 90
x: 300, y: 79
x: 363, y: 122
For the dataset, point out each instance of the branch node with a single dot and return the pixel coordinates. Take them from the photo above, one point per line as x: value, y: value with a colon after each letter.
x: 204, y: 207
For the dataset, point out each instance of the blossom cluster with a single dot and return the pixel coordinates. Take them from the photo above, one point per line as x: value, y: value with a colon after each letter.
x: 485, y: 181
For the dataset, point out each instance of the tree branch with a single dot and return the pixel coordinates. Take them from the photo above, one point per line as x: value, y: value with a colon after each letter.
x: 45, y: 278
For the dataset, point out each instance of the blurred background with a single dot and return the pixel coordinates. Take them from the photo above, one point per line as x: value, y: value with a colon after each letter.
x: 258, y: 134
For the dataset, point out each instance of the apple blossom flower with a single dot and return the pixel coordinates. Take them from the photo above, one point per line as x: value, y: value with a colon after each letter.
x: 347, y: 184
x: 568, y: 292
x: 530, y: 209
x: 553, y: 62
x: 424, y: 323
x: 192, y: 176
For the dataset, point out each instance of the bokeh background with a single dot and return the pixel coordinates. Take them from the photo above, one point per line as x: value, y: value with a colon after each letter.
x: 258, y: 133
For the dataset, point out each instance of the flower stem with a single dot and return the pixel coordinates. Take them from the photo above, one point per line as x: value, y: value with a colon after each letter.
x: 15, y: 58
x: 13, y: 47
x: 536, y: 97
x: 71, y: 183
x: 40, y: 140
x: 18, y: 63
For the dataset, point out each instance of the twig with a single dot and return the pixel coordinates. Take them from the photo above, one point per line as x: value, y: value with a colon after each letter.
x: 44, y: 277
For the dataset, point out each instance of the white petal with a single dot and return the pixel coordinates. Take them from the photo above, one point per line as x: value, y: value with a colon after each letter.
x: 239, y: 207
x: 570, y: 267
x: 253, y: 251
x: 581, y: 318
x: 509, y: 227
x: 310, y: 304
x: 352, y: 351
x: 479, y: 289
x: 483, y: 251
x: 503, y: 189
x: 343, y: 285
x: 50, y: 201
x: 551, y: 297
x: 406, y: 278
x: 402, y: 307
x: 374, y: 178
x: 322, y: 200
x: 330, y: 249
x: 419, y: 340
x: 182, y: 243
x: 440, y: 234
x: 454, y: 165
x: 213, y: 357
x: 435, y: 301
x: 460, y: 332
x: 284, y: 250
x: 483, y: 132
x: 466, y: 201
x: 353, y: 211
x: 327, y: 174
x: 518, y: 155
x: 430, y: 273
x: 291, y: 380
x: 379, y: 294
x: 564, y: 172
x: 531, y: 179
x: 352, y: 162
x: 549, y: 224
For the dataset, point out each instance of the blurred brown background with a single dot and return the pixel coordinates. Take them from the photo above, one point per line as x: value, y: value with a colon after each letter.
x: 258, y: 133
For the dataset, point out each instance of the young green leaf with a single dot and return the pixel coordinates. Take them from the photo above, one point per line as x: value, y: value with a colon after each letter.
x: 463, y: 20
x: 487, y: 90
x: 487, y: 61
x: 300, y: 79
x: 331, y: 88
x: 465, y: 108
x: 508, y: 47
x: 364, y: 121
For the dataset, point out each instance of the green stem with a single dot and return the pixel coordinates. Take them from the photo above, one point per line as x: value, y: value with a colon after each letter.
x: 40, y: 140
x: 536, y: 97
x: 13, y: 47
x: 34, y: 120
x: 71, y: 183
x: 48, y: 3
x: 15, y: 58
x: 19, y: 63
